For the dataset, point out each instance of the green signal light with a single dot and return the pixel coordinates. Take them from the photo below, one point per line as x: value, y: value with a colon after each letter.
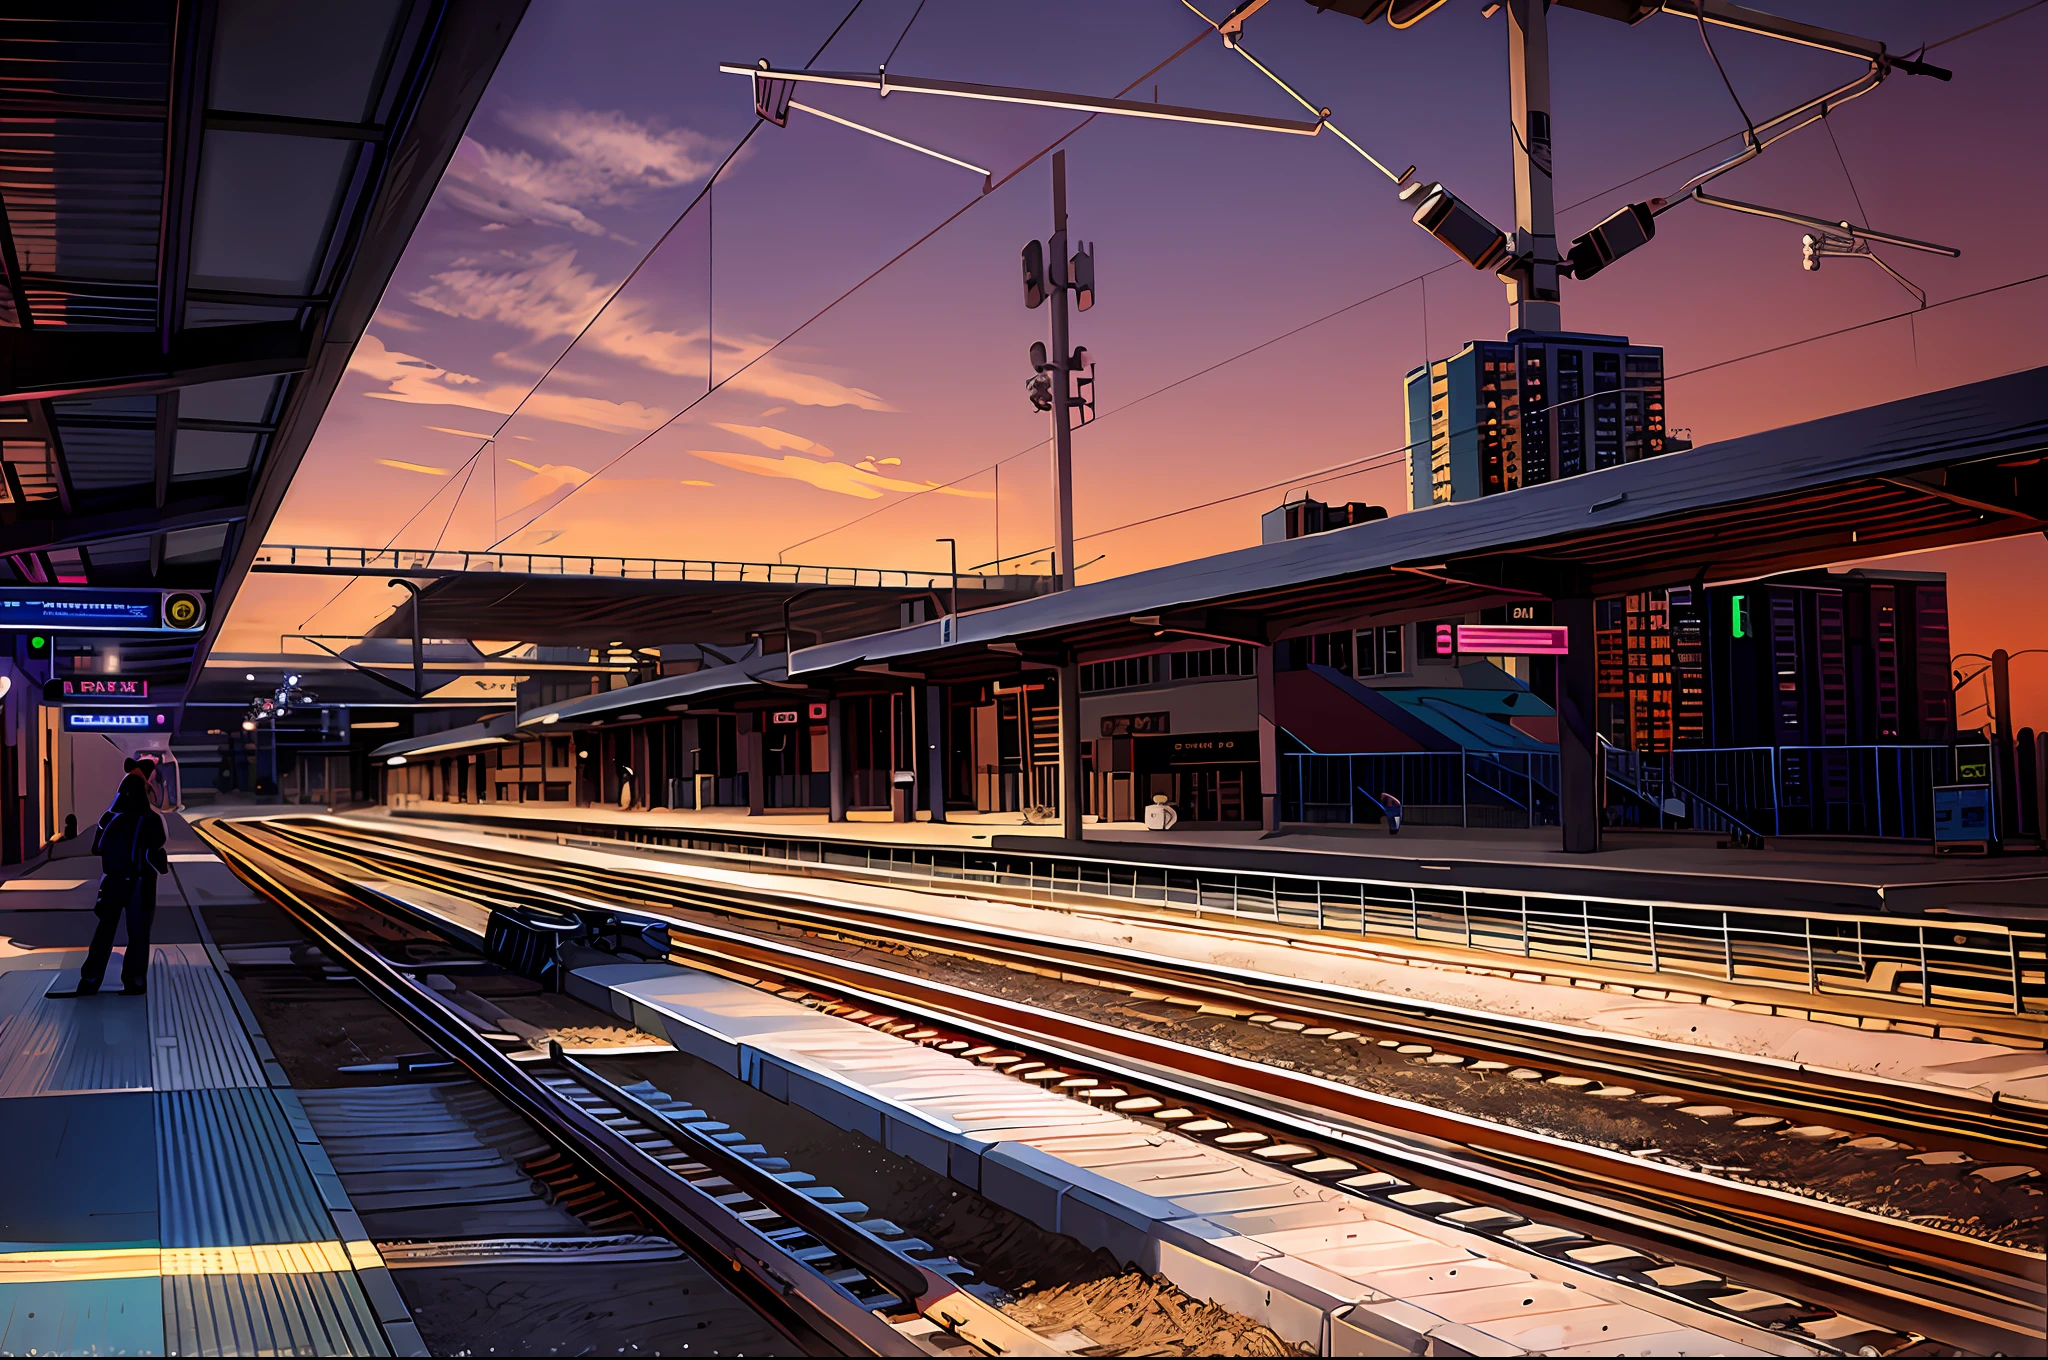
x: 1738, y: 620
x: 36, y: 642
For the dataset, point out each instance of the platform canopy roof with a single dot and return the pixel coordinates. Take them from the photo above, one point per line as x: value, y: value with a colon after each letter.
x: 201, y: 202
x: 661, y: 698
x: 495, y: 731
x: 593, y: 611
x: 1954, y: 466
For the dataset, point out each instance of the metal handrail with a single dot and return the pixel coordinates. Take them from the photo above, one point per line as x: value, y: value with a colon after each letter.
x: 451, y: 560
x: 1607, y: 773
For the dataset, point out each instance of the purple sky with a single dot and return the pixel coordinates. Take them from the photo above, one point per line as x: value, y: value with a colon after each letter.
x: 604, y: 121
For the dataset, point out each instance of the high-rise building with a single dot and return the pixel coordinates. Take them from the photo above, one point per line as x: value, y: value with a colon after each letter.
x: 1817, y: 658
x: 1501, y: 414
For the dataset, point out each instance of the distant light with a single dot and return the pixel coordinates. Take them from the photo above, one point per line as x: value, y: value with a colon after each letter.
x: 550, y: 720
x: 291, y: 679
x: 248, y: 724
x: 251, y: 675
x: 396, y: 760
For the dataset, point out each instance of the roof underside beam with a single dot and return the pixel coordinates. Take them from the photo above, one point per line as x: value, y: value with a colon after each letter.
x: 191, y: 66
x: 45, y: 364
x: 189, y: 512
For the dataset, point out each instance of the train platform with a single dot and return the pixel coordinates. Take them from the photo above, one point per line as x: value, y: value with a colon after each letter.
x: 164, y: 1191
x: 1813, y: 876
x: 1994, y: 1057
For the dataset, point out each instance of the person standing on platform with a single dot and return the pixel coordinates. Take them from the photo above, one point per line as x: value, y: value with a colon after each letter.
x: 130, y: 844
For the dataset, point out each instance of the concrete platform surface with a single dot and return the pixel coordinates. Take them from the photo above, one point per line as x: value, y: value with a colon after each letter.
x: 1325, y: 1269
x: 164, y: 1192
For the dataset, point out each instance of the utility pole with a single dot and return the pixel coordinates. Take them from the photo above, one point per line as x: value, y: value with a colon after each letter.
x: 1062, y: 430
x: 1048, y: 275
x: 953, y: 570
x: 1531, y: 274
x: 2004, y: 771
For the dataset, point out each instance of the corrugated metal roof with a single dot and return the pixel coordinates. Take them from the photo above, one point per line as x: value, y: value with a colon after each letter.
x: 198, y: 1042
x: 229, y: 1173
x: 84, y: 197
x: 1614, y: 520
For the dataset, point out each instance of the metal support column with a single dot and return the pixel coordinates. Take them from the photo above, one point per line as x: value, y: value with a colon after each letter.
x: 835, y: 739
x: 756, y: 766
x: 1070, y: 749
x: 1062, y: 413
x: 1269, y: 741
x: 935, y: 750
x: 1579, y: 775
x: 1532, y: 279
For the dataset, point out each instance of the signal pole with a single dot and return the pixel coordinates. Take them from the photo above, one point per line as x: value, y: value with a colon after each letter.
x: 1062, y: 424
x: 1532, y: 277
x: 1048, y: 274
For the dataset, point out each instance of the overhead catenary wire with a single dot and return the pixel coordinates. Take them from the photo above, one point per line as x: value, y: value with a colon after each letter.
x: 602, y: 308
x: 876, y: 273
x: 1419, y: 278
x: 904, y: 34
x: 1039, y: 444
x: 1392, y: 456
x: 1699, y: 9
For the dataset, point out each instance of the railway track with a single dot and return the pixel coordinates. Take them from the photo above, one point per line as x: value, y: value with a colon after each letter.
x: 1983, y: 1128
x: 1838, y: 1274
x: 829, y: 1284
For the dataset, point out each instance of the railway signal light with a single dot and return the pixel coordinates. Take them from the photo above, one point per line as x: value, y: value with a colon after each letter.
x: 1034, y: 274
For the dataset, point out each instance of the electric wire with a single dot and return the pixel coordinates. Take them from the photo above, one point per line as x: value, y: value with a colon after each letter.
x: 1677, y: 160
x: 1390, y: 457
x: 904, y: 34
x: 876, y: 273
x: 1988, y: 23
x: 1699, y: 9
x: 602, y: 308
x: 1419, y: 278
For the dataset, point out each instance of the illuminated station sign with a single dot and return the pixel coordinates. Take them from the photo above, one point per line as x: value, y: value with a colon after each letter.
x: 1502, y: 639
x: 114, y: 720
x: 108, y: 687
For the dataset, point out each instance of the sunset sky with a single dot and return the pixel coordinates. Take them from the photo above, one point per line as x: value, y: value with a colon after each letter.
x: 604, y: 122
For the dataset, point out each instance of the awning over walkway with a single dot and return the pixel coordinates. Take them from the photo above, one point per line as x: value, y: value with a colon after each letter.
x: 498, y: 731
x: 654, y: 698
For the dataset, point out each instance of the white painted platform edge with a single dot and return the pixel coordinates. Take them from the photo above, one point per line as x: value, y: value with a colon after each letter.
x: 1155, y: 1235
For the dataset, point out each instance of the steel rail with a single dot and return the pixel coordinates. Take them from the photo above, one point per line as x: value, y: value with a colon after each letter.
x: 821, y: 1318
x: 1980, y: 1284
x: 1872, y: 1104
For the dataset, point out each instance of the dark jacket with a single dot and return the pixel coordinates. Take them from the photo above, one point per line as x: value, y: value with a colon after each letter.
x: 131, y: 833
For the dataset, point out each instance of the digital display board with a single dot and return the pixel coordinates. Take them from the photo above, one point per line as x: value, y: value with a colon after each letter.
x: 114, y: 720
x: 67, y: 610
x: 109, y: 687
